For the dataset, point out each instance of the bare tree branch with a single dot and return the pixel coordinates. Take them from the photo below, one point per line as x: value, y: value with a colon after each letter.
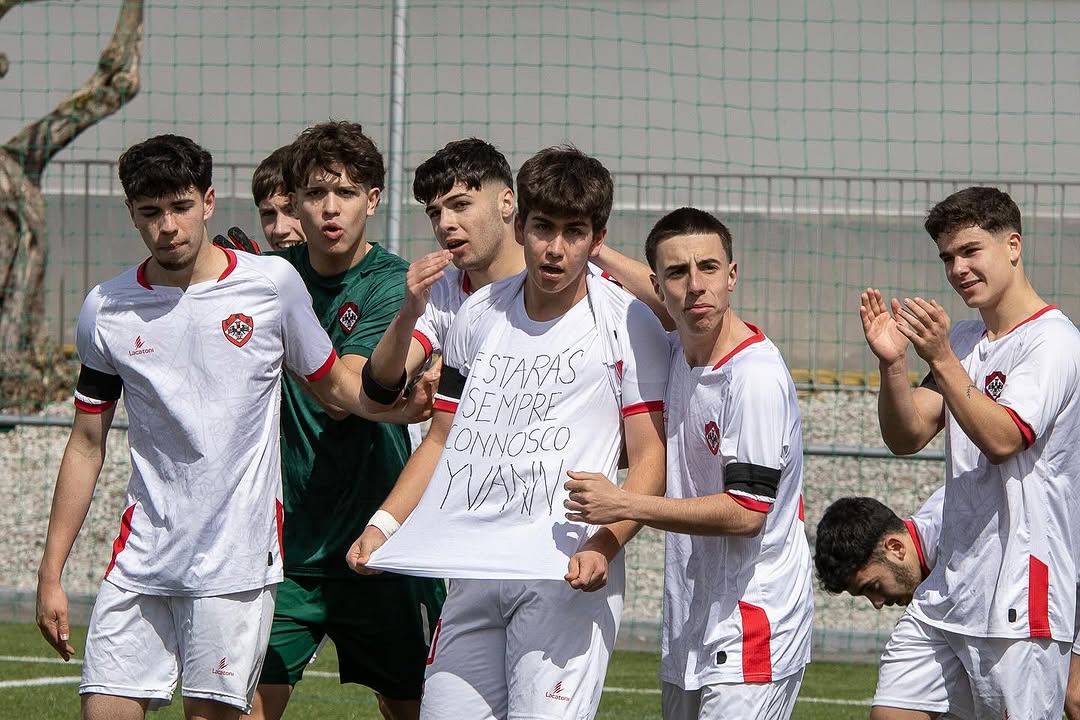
x: 6, y: 5
x: 114, y: 83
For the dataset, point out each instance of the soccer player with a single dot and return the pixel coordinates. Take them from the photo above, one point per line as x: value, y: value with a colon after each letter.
x: 738, y: 602
x: 988, y: 632
x: 863, y: 548
x: 543, y: 372
x: 277, y: 217
x: 337, y: 467
x: 195, y: 337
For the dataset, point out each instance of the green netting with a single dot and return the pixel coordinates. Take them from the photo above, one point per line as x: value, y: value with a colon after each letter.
x: 820, y: 131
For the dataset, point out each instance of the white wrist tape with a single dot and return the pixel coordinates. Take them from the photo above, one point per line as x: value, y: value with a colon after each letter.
x: 385, y: 522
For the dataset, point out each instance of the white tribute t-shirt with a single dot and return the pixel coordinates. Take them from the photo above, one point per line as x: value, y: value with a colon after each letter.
x: 200, y: 370
x: 1011, y: 532
x: 736, y: 609
x: 924, y: 527
x: 532, y: 401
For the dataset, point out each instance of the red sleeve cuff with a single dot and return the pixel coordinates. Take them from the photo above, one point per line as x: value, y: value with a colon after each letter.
x: 94, y: 408
x: 1025, y: 429
x: 643, y: 407
x: 422, y: 339
x: 445, y: 405
x: 325, y: 368
x: 750, y: 503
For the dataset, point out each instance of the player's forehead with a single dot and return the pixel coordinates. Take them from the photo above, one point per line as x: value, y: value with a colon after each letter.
x: 191, y: 195
x: 559, y: 221
x: 697, y: 247
x: 275, y: 202
x: 952, y: 241
x: 336, y: 175
x: 460, y: 190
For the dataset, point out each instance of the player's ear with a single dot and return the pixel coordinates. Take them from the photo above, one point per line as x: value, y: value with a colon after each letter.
x: 1015, y: 246
x: 659, y: 291
x: 506, y: 204
x: 131, y: 209
x: 894, y: 547
x: 208, y: 203
x: 733, y: 276
x: 597, y: 241
x: 373, y: 197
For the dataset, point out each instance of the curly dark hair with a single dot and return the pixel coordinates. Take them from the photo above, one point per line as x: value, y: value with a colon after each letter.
x: 471, y: 162
x: 164, y: 166
x: 268, y: 179
x: 985, y: 207
x: 322, y: 146
x: 849, y: 536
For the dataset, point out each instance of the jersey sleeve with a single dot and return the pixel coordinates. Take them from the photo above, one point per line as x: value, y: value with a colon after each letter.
x: 645, y: 363
x: 1040, y: 381
x: 99, y: 385
x: 376, y: 313
x: 431, y: 328
x: 308, y: 350
x: 927, y: 525
x: 756, y: 442
x: 457, y: 354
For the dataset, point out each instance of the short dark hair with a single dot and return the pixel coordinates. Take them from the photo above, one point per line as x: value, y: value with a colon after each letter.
x: 565, y: 182
x: 164, y: 166
x: 984, y: 207
x: 268, y: 179
x: 471, y: 162
x: 849, y: 536
x: 322, y: 146
x: 686, y: 221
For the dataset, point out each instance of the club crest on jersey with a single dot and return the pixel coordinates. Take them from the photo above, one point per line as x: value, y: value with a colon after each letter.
x: 347, y: 316
x: 995, y: 383
x: 238, y: 328
x: 712, y: 436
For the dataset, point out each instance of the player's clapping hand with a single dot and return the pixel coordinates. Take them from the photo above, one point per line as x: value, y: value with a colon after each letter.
x: 594, y: 499
x: 588, y: 571
x: 52, y: 618
x: 880, y: 328
x: 422, y: 274
x: 926, y: 324
x: 360, y: 551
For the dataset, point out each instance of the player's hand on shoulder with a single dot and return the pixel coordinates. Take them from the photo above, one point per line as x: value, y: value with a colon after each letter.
x: 52, y: 617
x: 237, y: 239
x: 587, y: 571
x: 593, y: 499
x: 881, y: 328
x: 360, y: 551
x: 420, y: 277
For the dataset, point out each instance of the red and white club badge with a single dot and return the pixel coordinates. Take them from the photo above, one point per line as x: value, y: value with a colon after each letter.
x: 238, y: 328
x: 347, y: 316
x: 712, y: 436
x: 995, y: 383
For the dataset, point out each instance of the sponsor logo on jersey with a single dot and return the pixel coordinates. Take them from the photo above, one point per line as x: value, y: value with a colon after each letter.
x: 347, y: 316
x: 140, y: 347
x: 238, y: 328
x: 222, y: 669
x: 712, y: 436
x: 556, y: 693
x: 995, y: 383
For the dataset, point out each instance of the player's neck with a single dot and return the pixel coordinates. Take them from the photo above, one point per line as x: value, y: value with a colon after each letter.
x: 709, y: 348
x: 509, y: 261
x: 1017, y: 304
x: 210, y: 262
x: 543, y: 306
x: 327, y: 265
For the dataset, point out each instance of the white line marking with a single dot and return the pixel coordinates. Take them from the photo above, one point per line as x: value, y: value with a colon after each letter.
x: 334, y: 676
x: 35, y: 682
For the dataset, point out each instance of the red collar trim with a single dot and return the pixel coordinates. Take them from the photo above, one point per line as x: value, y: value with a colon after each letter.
x: 914, y: 533
x: 140, y: 274
x: 230, y: 267
x: 1036, y: 316
x: 466, y: 285
x: 757, y: 337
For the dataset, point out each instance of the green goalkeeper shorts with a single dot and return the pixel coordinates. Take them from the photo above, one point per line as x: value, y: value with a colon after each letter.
x: 381, y: 628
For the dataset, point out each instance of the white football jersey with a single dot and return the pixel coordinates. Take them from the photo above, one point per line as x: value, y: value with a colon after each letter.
x: 1011, y: 532
x: 531, y: 401
x: 924, y: 527
x: 200, y: 370
x: 736, y: 609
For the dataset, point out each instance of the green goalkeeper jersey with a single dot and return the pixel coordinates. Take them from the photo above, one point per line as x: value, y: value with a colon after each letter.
x: 336, y: 473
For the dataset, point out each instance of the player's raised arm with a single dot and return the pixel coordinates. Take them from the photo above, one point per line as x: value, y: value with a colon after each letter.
x: 909, y: 418
x: 75, y: 483
x: 398, y: 354
x: 636, y: 278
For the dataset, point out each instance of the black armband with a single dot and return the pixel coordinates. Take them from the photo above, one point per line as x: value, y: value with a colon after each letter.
x: 451, y: 382
x: 930, y: 382
x: 752, y: 479
x: 99, y: 385
x: 378, y: 392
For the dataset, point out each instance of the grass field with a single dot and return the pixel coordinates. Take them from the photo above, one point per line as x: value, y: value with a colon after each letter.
x: 36, y: 683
